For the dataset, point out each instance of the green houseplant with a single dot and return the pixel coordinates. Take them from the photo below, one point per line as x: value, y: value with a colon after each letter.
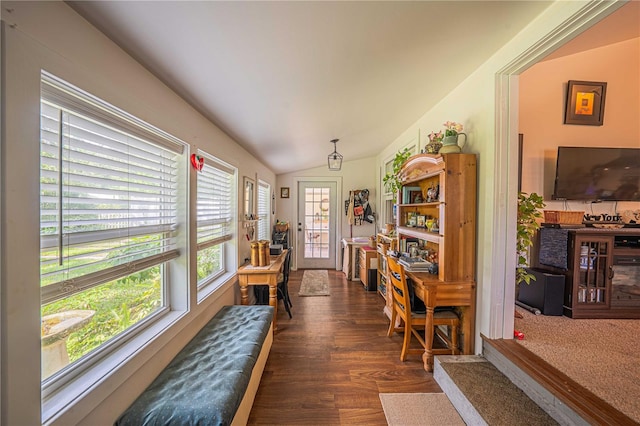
x: 391, y: 180
x: 529, y: 210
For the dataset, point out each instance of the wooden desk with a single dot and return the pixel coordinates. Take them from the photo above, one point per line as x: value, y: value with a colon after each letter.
x: 451, y: 293
x: 262, y: 275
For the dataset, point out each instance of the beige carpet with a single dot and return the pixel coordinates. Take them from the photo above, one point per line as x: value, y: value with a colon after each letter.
x: 407, y: 409
x: 603, y: 355
x: 315, y: 282
x: 496, y: 399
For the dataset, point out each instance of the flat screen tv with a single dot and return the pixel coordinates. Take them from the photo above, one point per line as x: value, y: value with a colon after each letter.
x: 597, y: 174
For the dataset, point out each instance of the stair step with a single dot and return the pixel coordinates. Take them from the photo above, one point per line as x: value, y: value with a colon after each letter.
x: 483, y: 395
x: 565, y: 400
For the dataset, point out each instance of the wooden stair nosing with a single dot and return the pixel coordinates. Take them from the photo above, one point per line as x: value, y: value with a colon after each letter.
x: 585, y: 403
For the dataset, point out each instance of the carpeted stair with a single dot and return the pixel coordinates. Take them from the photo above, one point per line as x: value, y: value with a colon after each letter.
x: 483, y: 395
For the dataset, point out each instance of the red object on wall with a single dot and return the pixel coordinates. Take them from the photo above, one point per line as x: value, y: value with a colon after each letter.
x: 197, y: 162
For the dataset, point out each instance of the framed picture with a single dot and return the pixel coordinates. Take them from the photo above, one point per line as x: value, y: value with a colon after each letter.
x: 585, y: 103
x: 411, y: 219
x: 284, y: 192
x: 406, y: 193
x: 415, y: 197
x: 411, y: 244
x: 420, y: 221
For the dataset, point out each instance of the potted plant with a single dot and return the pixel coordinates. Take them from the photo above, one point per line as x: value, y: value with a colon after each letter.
x: 391, y: 180
x: 529, y: 210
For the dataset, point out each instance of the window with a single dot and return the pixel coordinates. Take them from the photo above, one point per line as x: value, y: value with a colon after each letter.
x: 215, y: 216
x: 263, y: 210
x: 108, y: 221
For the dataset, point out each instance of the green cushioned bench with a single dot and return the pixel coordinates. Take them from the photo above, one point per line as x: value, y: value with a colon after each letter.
x: 214, y: 378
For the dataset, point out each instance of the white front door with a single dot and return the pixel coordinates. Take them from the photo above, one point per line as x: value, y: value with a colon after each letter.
x: 317, y: 224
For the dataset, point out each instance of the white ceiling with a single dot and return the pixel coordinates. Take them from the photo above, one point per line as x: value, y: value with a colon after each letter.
x: 284, y: 78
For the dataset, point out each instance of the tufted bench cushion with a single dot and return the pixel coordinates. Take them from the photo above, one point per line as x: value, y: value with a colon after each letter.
x: 205, y: 383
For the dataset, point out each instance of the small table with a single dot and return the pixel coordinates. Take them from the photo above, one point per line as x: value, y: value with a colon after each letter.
x: 262, y: 275
x: 433, y: 293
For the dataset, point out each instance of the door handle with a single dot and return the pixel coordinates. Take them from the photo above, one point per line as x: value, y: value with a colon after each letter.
x: 611, y: 272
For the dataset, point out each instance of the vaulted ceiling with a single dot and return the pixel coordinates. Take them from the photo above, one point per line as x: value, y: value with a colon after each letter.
x: 284, y: 78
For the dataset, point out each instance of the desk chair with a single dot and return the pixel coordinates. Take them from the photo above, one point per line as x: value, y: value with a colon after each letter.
x: 283, y: 283
x: 414, y: 322
x: 262, y: 291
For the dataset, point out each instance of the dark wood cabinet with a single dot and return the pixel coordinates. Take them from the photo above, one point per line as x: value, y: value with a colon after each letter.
x: 590, y: 274
x: 603, y: 273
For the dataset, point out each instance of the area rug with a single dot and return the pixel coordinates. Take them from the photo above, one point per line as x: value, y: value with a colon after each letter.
x: 315, y: 282
x: 407, y: 409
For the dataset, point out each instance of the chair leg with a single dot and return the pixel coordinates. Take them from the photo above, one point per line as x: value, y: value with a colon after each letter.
x: 284, y: 300
x: 392, y: 324
x: 406, y: 342
x: 286, y: 295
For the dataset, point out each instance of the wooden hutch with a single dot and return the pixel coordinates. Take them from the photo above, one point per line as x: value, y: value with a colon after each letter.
x: 436, y: 212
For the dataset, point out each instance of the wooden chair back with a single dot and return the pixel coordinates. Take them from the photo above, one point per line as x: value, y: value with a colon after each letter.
x: 414, y: 324
x: 399, y: 289
x: 402, y: 308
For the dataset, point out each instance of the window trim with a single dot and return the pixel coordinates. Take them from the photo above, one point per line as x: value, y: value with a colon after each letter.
x: 73, y: 380
x: 76, y: 99
x: 229, y: 256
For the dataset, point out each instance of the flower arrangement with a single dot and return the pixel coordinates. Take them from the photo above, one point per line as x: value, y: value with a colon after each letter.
x: 452, y: 128
x: 436, y: 137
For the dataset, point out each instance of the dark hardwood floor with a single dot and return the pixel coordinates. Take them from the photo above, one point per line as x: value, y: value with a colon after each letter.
x: 329, y: 363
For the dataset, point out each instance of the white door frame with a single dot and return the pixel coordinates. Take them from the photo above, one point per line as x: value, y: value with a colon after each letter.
x: 294, y: 194
x: 503, y: 259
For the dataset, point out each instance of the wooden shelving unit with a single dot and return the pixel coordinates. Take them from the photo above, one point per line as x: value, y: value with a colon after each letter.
x: 453, y: 210
x: 383, y: 244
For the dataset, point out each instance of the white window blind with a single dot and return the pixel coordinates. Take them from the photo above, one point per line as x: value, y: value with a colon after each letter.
x: 107, y: 194
x: 263, y: 210
x: 215, y: 202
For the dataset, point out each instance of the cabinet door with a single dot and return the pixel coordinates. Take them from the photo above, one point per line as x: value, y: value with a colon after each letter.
x: 363, y: 266
x: 592, y: 272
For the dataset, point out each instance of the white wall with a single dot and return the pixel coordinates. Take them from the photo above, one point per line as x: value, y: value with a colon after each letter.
x: 488, y: 109
x: 51, y: 36
x: 357, y: 174
x: 542, y: 100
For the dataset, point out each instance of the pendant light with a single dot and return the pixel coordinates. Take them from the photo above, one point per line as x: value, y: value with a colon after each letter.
x: 334, y: 159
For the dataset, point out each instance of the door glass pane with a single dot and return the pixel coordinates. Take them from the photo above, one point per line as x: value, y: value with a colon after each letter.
x: 316, y: 222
